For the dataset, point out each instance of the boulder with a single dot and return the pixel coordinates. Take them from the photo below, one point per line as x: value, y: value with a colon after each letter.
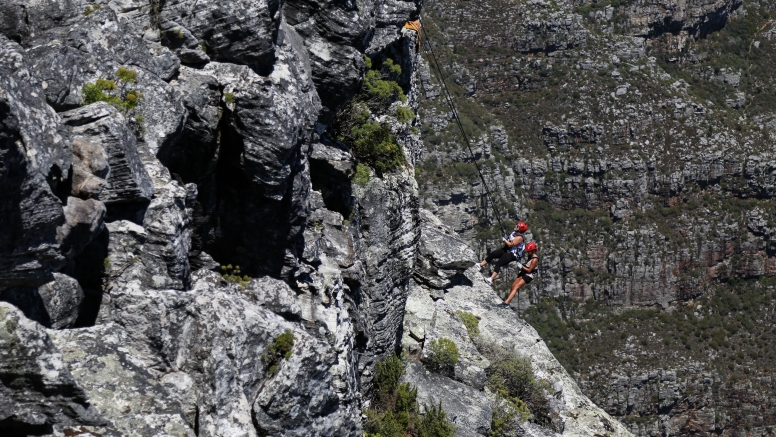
x: 101, y: 125
x: 442, y: 256
x: 261, y: 175
x: 156, y: 253
x: 167, y: 223
x: 445, y: 323
x: 195, y: 155
x: 217, y: 337
x: 37, y: 391
x: 62, y: 299
x: 467, y: 408
x: 242, y: 31
x: 56, y: 304
x: 118, y: 384
x: 90, y: 169
x: 94, y: 46
x: 84, y: 220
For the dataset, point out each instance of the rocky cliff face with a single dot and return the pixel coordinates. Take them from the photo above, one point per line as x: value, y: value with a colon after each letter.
x: 118, y: 215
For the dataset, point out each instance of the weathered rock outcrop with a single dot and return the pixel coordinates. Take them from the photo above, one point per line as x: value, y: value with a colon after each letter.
x: 35, y: 156
x: 102, y: 127
x: 37, y: 390
x: 431, y: 315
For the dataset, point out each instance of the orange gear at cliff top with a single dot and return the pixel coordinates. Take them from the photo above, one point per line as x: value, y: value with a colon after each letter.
x: 414, y: 25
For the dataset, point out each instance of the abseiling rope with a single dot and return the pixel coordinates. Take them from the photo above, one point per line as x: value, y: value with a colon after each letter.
x: 449, y: 98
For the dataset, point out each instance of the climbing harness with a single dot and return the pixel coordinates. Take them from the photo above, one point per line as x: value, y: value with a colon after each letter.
x: 449, y: 98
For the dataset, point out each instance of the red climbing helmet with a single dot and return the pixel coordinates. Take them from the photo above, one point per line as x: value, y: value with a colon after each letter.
x: 522, y: 227
x: 530, y: 246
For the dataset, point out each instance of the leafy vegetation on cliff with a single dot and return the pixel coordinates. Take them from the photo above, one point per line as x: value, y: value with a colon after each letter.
x: 371, y: 141
x: 394, y: 411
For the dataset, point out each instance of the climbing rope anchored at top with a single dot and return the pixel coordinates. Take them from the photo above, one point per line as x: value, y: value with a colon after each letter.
x: 436, y: 66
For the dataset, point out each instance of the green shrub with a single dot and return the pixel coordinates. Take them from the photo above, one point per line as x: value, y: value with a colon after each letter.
x: 387, y: 375
x: 92, y: 9
x: 471, y: 322
x: 442, y: 356
x: 229, y: 98
x: 404, y: 114
x: 380, y: 87
x: 374, y: 144
x: 361, y: 177
x: 277, y: 351
x: 126, y: 75
x: 232, y: 274
x: 507, y: 416
x: 434, y: 423
x: 512, y: 378
x: 114, y: 92
x: 394, y: 411
x: 370, y: 142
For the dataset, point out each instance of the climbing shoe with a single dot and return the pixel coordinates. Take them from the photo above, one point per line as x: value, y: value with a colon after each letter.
x: 477, y: 266
x: 502, y: 305
x: 489, y: 281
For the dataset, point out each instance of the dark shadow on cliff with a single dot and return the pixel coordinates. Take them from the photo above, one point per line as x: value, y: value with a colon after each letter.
x: 88, y: 268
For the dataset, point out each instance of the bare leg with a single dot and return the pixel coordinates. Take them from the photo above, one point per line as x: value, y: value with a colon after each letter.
x: 493, y: 276
x: 519, y: 282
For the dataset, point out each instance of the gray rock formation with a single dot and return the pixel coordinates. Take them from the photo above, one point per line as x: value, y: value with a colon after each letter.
x: 466, y: 407
x: 118, y: 384
x: 35, y: 156
x: 55, y: 304
x: 62, y: 299
x: 241, y: 32
x: 83, y: 222
x: 38, y: 391
x: 101, y: 125
x: 90, y: 169
x: 442, y: 256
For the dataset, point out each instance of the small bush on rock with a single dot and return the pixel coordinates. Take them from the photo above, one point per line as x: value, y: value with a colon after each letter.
x: 394, y: 411
x: 512, y: 378
x: 370, y: 142
x: 380, y: 86
x: 507, y: 416
x: 434, y: 423
x: 92, y: 9
x: 471, y: 322
x: 404, y: 114
x: 277, y: 351
x: 232, y: 275
x: 115, y: 92
x: 442, y: 356
x: 361, y: 177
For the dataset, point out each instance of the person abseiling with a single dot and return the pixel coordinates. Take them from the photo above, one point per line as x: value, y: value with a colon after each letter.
x: 526, y: 274
x: 512, y: 250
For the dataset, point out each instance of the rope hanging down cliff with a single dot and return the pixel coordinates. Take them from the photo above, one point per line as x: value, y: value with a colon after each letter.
x: 438, y: 70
